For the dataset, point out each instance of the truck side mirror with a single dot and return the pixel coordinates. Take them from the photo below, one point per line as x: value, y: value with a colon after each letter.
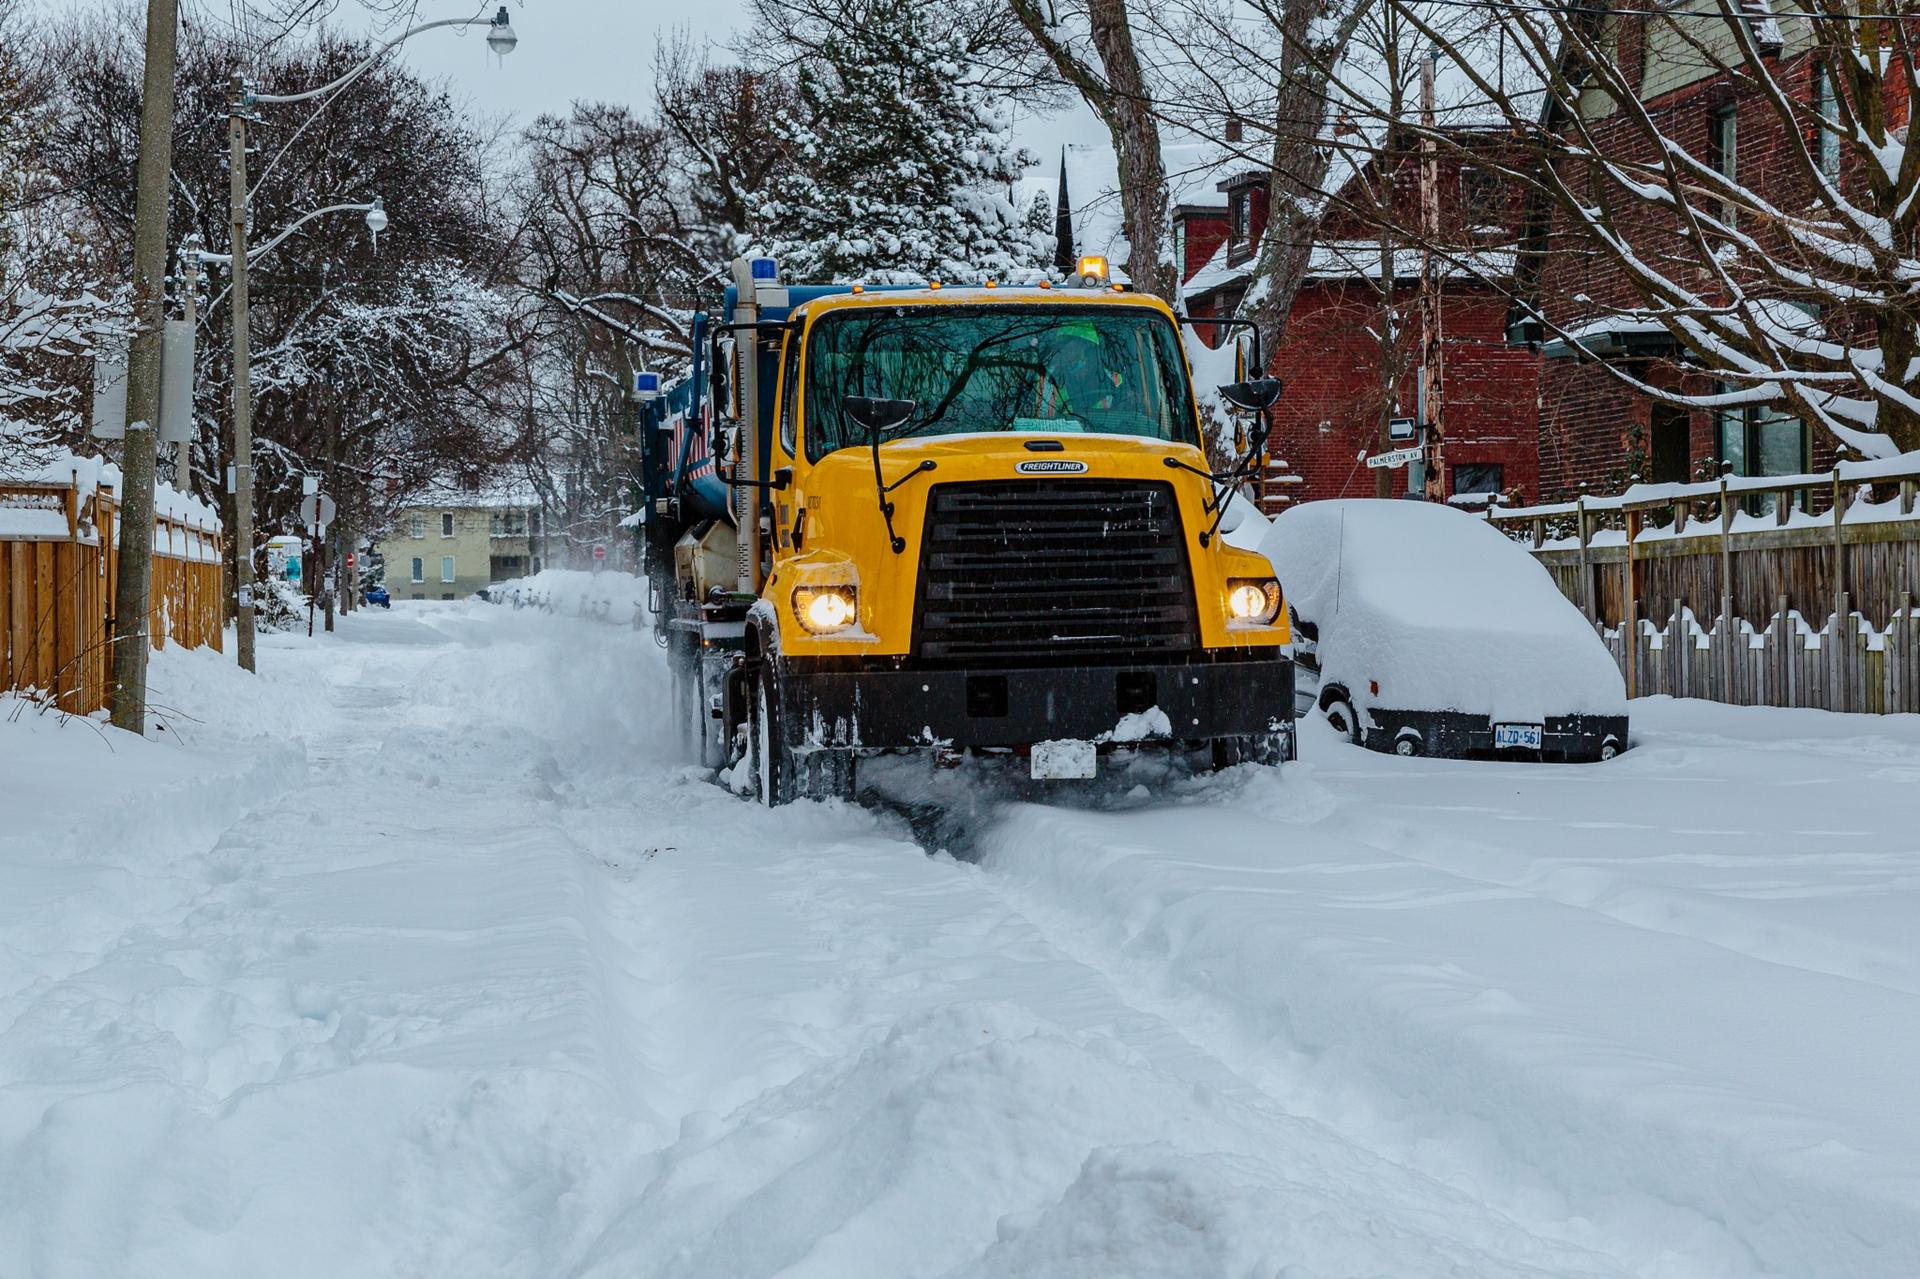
x: 877, y: 416
x: 1255, y: 395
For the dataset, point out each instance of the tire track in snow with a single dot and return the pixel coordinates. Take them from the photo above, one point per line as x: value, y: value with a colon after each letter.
x: 1265, y: 949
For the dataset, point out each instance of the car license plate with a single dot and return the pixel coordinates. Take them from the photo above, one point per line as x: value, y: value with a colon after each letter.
x: 1517, y: 736
x: 1065, y: 759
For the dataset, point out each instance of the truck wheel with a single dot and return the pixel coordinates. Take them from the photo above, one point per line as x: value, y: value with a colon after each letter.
x: 1250, y: 748
x: 772, y: 759
x: 689, y: 710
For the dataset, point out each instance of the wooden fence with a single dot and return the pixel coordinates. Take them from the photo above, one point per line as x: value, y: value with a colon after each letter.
x: 1761, y: 556
x: 59, y: 563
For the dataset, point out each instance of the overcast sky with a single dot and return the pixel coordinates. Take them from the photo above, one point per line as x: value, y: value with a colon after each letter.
x: 603, y: 49
x: 584, y: 49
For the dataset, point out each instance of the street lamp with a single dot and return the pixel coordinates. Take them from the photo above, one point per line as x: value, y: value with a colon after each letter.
x: 501, y: 39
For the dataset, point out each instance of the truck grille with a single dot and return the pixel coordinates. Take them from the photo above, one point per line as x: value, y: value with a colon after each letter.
x: 1053, y: 572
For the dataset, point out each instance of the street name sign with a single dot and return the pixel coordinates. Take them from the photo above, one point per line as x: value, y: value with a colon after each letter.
x: 1398, y: 457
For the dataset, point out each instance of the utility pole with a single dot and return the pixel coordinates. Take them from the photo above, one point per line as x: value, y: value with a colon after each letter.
x: 1386, y: 188
x: 190, y: 250
x: 1435, y: 479
x: 242, y: 535
x: 133, y: 593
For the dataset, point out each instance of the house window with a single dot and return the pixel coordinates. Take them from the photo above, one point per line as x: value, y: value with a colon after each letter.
x: 1480, y: 195
x: 1826, y: 142
x: 446, y: 568
x: 1237, y: 217
x: 446, y: 524
x: 1479, y: 477
x: 1668, y: 427
x: 1723, y: 143
x: 494, y: 527
x: 1180, y: 245
x: 419, y: 570
x: 1761, y: 440
x: 533, y: 522
x: 416, y: 527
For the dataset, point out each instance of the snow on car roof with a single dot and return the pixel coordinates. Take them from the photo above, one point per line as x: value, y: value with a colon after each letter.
x: 1440, y: 609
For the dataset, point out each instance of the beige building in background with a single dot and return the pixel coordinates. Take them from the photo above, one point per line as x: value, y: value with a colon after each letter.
x: 452, y: 542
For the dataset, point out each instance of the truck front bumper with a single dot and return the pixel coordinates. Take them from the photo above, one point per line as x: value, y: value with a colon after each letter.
x: 882, y: 708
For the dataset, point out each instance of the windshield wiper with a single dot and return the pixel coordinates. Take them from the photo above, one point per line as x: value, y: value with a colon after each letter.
x: 879, y: 416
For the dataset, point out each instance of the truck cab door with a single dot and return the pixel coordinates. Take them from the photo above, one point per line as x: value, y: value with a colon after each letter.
x: 789, y: 513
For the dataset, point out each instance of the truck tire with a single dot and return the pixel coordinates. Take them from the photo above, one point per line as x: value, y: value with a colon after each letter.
x: 1250, y: 748
x: 782, y: 771
x: 689, y: 707
x: 767, y: 748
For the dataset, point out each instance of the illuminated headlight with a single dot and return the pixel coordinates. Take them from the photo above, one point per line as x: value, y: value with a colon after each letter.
x: 1253, y: 599
x: 825, y: 610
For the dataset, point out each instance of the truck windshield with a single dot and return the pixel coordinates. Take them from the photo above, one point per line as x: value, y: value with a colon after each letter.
x: 1105, y: 369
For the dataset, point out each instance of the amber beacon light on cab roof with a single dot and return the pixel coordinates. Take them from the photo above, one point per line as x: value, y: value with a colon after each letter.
x: 953, y: 520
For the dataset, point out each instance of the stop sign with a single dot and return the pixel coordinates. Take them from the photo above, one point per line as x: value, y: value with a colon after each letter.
x: 349, y: 559
x: 599, y: 551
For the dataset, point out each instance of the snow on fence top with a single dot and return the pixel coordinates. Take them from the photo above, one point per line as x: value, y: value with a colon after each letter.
x: 55, y: 500
x: 1847, y: 484
x: 1904, y: 470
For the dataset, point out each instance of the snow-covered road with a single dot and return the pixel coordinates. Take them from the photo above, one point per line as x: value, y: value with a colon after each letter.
x: 426, y: 956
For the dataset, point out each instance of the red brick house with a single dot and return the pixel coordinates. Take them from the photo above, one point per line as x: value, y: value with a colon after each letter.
x: 1596, y: 432
x: 1332, y: 357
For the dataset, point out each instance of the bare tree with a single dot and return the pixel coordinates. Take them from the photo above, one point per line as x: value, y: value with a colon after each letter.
x: 1783, y: 283
x: 1094, y: 50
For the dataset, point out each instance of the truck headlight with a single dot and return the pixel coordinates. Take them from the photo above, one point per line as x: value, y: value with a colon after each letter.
x: 1253, y: 599
x: 826, y: 610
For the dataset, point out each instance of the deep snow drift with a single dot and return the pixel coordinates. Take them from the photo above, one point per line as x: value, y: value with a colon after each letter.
x: 424, y: 955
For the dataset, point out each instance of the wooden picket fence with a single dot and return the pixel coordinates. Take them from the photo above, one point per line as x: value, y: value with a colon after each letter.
x: 1761, y: 556
x: 59, y: 565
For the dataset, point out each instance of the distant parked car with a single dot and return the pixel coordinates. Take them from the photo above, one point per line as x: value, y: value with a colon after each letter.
x: 378, y: 595
x: 1422, y: 630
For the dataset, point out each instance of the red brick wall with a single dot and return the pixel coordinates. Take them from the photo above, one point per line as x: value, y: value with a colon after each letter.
x: 1331, y: 410
x: 1593, y: 428
x: 1206, y: 232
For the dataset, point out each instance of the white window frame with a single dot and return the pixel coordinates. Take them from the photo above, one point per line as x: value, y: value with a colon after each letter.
x: 1826, y: 146
x: 419, y: 568
x: 446, y: 568
x: 417, y: 527
x: 446, y: 524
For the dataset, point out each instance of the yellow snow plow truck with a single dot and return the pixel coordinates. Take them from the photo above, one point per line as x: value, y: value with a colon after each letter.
x: 952, y: 521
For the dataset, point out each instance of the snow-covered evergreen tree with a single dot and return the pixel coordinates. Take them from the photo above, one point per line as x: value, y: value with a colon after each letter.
x: 902, y: 164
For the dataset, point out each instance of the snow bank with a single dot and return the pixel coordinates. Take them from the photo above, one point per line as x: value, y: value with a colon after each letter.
x: 1440, y: 609
x: 610, y: 595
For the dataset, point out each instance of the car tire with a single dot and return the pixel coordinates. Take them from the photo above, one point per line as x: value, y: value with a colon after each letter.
x: 1408, y: 745
x: 1339, y: 712
x: 1609, y: 749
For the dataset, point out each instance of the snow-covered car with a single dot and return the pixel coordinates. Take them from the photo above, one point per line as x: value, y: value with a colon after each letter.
x: 1422, y: 630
